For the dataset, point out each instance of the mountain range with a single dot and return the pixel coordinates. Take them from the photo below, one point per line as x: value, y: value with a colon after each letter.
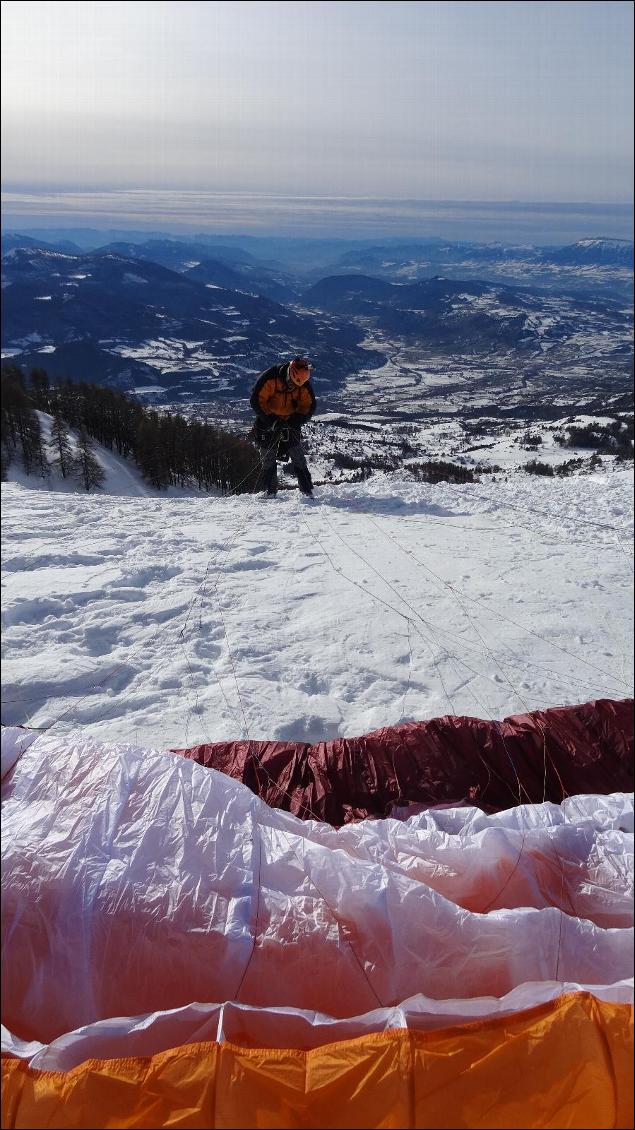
x: 589, y: 267
x: 472, y: 316
x: 194, y: 321
x: 103, y: 316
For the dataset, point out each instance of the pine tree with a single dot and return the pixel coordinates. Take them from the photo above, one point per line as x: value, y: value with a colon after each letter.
x: 60, y: 446
x: 7, y: 445
x: 69, y: 403
x: 15, y: 405
x: 39, y: 391
x: 5, y: 460
x: 87, y: 469
x: 150, y: 456
x: 33, y: 456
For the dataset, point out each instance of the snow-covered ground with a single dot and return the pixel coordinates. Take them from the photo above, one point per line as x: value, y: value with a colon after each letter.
x: 170, y: 620
x: 501, y: 448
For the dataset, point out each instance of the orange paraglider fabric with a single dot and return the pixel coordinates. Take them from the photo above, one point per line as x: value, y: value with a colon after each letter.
x: 566, y: 1063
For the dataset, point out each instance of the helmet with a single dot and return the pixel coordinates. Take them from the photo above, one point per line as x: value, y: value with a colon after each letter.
x: 300, y: 370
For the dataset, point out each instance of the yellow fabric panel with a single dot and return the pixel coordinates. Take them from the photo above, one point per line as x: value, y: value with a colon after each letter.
x: 564, y: 1064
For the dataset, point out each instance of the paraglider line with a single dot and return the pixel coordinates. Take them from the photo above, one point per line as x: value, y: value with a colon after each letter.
x: 379, y: 599
x: 258, y: 889
x: 520, y: 787
x: 475, y: 600
x: 340, y: 926
x: 546, y: 514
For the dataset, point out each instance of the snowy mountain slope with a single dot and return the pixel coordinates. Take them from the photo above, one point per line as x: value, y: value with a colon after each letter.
x: 470, y: 316
x: 119, y: 319
x: 239, y: 272
x: 122, y: 477
x: 174, y: 620
x: 184, y: 318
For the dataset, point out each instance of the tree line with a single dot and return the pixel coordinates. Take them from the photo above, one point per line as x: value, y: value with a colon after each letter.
x: 168, y: 449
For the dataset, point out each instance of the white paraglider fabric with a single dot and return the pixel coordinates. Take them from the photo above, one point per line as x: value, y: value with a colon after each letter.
x: 247, y: 1026
x: 137, y: 883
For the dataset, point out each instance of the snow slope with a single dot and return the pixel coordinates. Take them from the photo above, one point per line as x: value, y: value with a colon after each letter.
x: 167, y: 621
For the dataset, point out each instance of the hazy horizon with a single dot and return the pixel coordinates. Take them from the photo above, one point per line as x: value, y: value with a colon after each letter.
x: 251, y: 215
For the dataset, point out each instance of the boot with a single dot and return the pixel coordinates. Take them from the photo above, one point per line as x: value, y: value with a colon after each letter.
x: 270, y: 481
x: 305, y: 481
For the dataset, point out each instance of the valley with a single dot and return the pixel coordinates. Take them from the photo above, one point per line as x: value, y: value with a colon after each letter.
x: 506, y: 339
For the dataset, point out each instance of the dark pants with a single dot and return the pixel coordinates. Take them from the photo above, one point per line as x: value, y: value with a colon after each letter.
x: 272, y: 450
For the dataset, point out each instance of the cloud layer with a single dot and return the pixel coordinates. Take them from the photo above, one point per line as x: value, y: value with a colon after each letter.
x: 430, y: 100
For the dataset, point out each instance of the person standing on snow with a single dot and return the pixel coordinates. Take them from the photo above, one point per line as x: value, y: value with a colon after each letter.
x: 283, y: 401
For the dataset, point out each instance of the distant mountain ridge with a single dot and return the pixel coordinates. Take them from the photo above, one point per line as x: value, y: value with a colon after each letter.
x: 614, y: 252
x: 219, y: 266
x: 591, y: 267
x: 601, y: 252
x: 470, y: 315
x: 11, y: 240
x: 173, y: 253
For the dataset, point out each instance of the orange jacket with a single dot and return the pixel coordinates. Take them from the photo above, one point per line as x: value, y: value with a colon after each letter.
x: 272, y: 396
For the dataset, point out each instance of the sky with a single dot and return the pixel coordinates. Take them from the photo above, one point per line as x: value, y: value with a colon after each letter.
x: 454, y: 101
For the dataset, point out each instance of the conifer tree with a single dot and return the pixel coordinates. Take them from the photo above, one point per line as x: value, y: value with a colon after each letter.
x: 60, y: 446
x: 33, y: 456
x: 15, y: 404
x: 69, y: 403
x: 150, y: 456
x: 5, y: 461
x: 39, y: 391
x: 87, y: 469
x: 7, y: 444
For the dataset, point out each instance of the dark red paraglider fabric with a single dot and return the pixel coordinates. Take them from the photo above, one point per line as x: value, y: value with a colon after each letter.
x: 543, y: 755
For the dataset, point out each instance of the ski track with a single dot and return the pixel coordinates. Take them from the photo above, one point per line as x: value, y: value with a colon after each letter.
x: 172, y: 620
